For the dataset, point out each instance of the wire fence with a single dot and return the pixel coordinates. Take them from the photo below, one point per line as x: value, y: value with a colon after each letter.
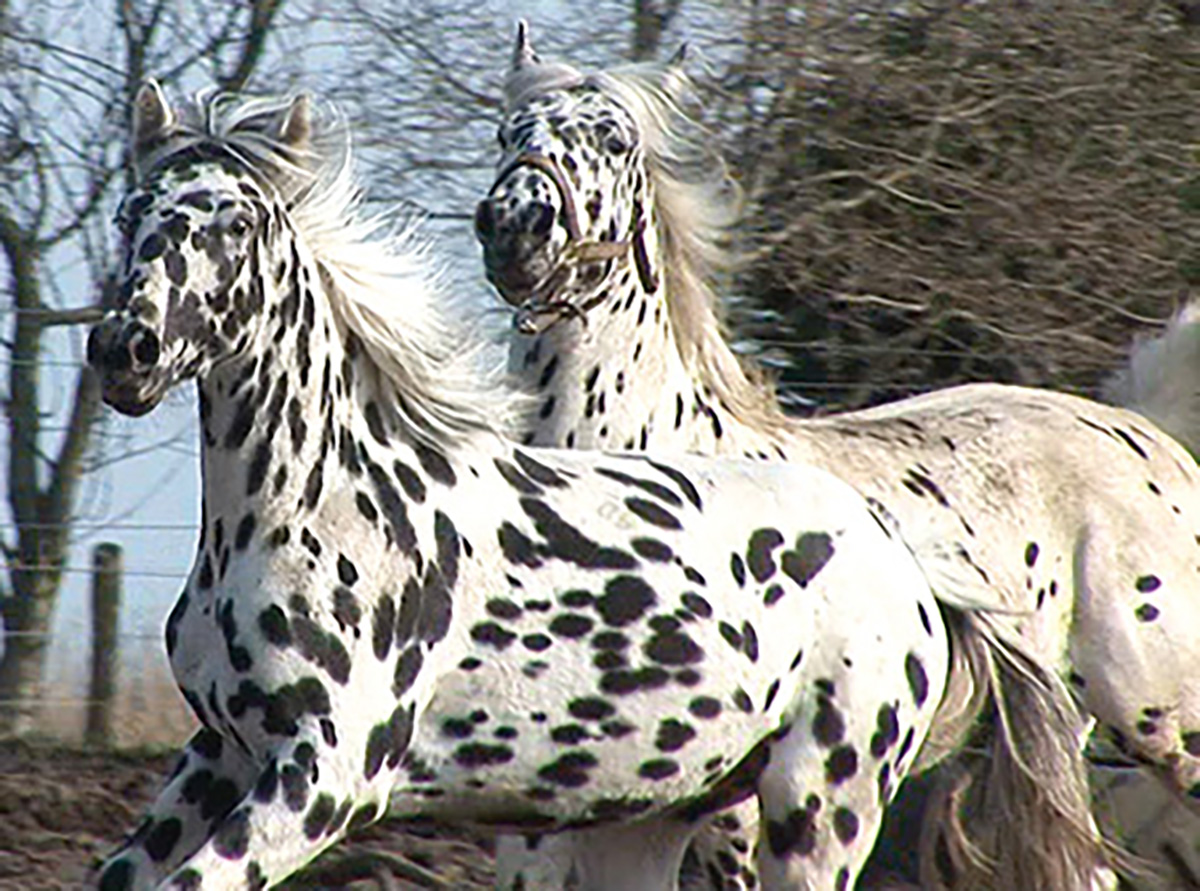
x: 828, y: 348
x: 110, y: 690
x: 87, y: 570
x: 101, y: 689
x: 151, y: 587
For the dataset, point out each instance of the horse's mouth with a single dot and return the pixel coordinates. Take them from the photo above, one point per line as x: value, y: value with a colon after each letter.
x: 512, y: 284
x: 131, y: 398
x: 521, y: 280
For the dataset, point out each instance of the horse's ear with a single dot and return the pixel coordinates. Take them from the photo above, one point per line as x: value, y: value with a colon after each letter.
x: 674, y: 78
x: 152, y: 115
x: 296, y: 130
x: 523, y: 54
x: 529, y: 72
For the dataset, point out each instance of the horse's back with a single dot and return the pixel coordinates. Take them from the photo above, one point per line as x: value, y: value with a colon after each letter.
x: 1085, y: 519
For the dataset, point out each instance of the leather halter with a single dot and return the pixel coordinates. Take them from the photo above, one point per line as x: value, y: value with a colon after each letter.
x: 579, y: 251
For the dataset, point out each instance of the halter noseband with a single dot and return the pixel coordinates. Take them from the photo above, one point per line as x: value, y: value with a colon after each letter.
x: 578, y: 251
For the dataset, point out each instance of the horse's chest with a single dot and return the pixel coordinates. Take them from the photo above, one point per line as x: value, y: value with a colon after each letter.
x: 261, y: 661
x: 192, y: 640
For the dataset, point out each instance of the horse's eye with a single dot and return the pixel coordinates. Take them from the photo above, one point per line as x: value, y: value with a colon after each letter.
x: 239, y: 226
x: 612, y: 139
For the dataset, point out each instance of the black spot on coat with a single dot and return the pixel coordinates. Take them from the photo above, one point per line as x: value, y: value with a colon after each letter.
x: 160, y: 840
x: 383, y: 626
x: 625, y: 600
x: 918, y: 682
x: 565, y: 542
x: 653, y: 513
x: 812, y: 551
x: 759, y: 557
x: 435, y: 465
x: 318, y: 816
x: 232, y: 838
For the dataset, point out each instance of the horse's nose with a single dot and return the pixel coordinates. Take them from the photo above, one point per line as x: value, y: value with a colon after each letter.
x: 116, y: 346
x: 542, y: 218
x: 498, y: 217
x: 102, y: 354
x: 144, y: 346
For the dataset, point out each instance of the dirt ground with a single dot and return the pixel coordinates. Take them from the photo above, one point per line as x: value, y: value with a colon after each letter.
x: 63, y: 808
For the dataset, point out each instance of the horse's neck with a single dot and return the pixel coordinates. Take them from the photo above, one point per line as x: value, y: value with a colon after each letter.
x: 599, y: 380
x: 621, y: 380
x: 300, y: 445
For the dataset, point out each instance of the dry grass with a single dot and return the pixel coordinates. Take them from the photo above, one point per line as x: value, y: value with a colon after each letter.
x: 148, y: 712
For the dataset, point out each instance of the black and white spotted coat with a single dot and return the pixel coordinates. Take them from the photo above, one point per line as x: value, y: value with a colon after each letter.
x: 1081, y: 519
x: 394, y: 608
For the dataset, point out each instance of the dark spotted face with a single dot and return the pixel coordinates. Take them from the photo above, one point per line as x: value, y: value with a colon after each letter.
x: 567, y: 202
x: 189, y: 286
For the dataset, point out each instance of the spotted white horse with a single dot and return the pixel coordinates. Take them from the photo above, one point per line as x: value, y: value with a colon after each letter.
x: 602, y: 227
x: 393, y: 607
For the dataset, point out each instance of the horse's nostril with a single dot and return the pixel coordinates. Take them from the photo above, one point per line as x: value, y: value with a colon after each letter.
x: 106, y: 349
x: 485, y: 219
x: 544, y: 220
x: 144, y: 347
x: 94, y: 351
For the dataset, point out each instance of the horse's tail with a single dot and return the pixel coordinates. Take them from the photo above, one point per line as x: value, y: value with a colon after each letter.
x: 1162, y: 379
x: 1013, y: 809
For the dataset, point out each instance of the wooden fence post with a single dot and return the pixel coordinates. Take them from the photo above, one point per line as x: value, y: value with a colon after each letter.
x: 106, y: 607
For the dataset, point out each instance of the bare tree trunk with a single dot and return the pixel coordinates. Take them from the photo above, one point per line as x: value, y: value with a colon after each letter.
x: 650, y: 19
x: 262, y: 15
x: 29, y: 604
x: 27, y: 627
x: 42, y: 484
x: 42, y: 516
x: 106, y: 609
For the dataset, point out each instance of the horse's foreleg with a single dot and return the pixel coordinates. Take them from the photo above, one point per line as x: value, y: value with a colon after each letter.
x: 213, y: 774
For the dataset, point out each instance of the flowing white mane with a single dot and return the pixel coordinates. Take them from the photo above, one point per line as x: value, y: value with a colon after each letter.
x: 381, y: 282
x: 696, y: 203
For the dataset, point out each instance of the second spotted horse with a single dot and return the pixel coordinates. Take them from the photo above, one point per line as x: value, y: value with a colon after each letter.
x: 394, y: 608
x: 1081, y: 519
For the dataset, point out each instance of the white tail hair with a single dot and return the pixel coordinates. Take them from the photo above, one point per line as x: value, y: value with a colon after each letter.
x: 1161, y: 380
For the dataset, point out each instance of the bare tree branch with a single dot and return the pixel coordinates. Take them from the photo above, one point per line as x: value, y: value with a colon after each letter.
x: 64, y: 123
x: 1025, y: 174
x: 21, y: 408
x: 650, y: 19
x: 262, y: 15
x: 402, y: 37
x: 59, y: 499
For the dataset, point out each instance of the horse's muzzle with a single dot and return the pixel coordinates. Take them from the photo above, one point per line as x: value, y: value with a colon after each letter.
x: 125, y: 354
x: 523, y: 225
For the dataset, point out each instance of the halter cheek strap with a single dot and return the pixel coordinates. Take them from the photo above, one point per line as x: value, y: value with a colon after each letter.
x: 549, y: 167
x: 579, y: 249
